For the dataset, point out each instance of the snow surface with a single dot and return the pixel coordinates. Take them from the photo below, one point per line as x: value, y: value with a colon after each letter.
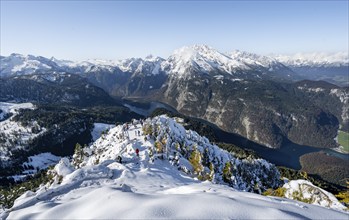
x: 14, y: 135
x: 98, y: 128
x: 40, y: 162
x: 306, y: 190
x: 8, y: 107
x: 102, y: 188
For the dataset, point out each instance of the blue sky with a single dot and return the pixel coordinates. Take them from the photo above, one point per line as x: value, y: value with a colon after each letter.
x: 119, y: 29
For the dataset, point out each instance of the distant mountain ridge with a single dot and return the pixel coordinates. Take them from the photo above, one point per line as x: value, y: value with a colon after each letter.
x: 315, y: 59
x: 197, y: 57
x: 200, y: 57
x: 333, y: 67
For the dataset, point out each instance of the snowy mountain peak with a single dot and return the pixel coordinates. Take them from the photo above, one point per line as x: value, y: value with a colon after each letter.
x: 253, y: 59
x: 194, y: 50
x: 18, y: 64
x: 149, y: 66
x: 204, y: 59
x: 152, y: 58
x: 200, y: 58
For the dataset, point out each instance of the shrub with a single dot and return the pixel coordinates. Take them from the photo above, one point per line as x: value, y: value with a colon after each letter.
x: 195, y: 160
x: 227, y: 172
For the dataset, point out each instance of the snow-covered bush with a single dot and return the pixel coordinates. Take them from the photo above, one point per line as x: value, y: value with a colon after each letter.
x: 207, y: 161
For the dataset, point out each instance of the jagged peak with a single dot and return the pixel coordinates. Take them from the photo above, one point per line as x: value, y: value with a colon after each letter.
x: 202, y: 58
x: 196, y: 51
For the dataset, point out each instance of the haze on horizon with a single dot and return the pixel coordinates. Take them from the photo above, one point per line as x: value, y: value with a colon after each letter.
x: 79, y: 30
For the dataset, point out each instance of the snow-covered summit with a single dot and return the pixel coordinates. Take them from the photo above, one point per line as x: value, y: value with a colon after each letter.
x: 255, y: 60
x: 162, y: 182
x: 150, y: 65
x: 200, y: 58
x: 17, y: 64
x: 315, y: 59
x: 205, y: 59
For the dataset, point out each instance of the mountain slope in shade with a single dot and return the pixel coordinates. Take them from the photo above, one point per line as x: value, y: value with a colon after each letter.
x: 147, y: 186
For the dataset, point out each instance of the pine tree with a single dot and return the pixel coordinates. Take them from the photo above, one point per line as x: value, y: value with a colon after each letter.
x: 227, y: 172
x: 78, y: 155
x: 206, y: 157
x: 158, y: 147
x: 211, y: 171
x: 195, y: 160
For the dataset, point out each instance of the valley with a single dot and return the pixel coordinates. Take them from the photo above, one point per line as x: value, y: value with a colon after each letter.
x: 252, y: 106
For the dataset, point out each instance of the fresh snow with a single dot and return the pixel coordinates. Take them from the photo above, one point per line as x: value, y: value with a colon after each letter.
x: 13, y: 135
x: 98, y: 128
x: 37, y: 162
x: 306, y: 190
x: 139, y: 188
x: 40, y: 162
x: 8, y: 107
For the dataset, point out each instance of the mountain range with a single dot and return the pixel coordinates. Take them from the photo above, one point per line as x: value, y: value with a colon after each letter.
x: 255, y: 96
x: 202, y: 57
x: 48, y: 106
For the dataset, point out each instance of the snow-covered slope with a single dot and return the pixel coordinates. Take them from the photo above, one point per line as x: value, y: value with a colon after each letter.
x: 98, y: 129
x: 36, y: 163
x: 204, y: 59
x: 306, y: 191
x: 155, y: 184
x: 149, y: 66
x: 12, y: 108
x: 256, y: 61
x: 13, y: 135
x: 17, y: 64
x: 201, y: 58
